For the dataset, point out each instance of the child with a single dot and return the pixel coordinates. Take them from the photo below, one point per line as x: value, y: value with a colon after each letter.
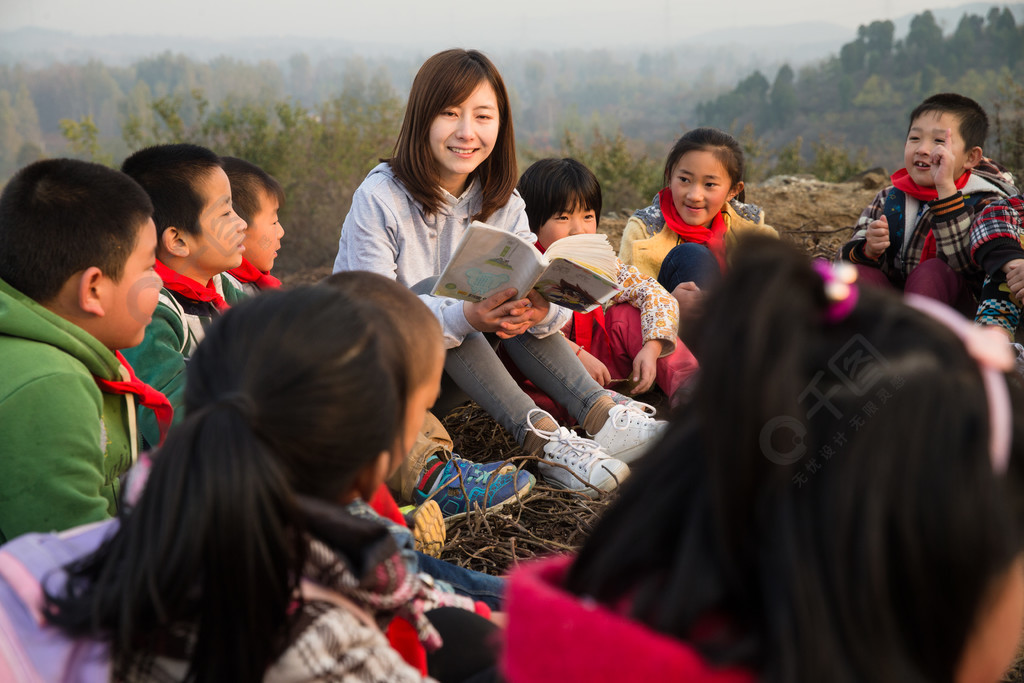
x: 637, y: 337
x: 466, y: 486
x: 809, y: 539
x: 199, y: 236
x: 916, y: 235
x: 274, y: 442
x: 684, y: 237
x: 454, y: 161
x: 256, y: 197
x: 77, y: 247
x: 1002, y: 221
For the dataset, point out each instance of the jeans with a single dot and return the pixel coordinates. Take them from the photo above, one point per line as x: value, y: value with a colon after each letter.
x: 548, y: 362
x: 473, y: 584
x: 689, y: 262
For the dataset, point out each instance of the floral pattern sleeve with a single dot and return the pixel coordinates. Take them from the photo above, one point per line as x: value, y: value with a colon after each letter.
x: 659, y: 310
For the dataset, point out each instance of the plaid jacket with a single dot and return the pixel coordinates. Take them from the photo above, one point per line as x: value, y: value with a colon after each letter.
x: 949, y: 220
x: 1000, y: 219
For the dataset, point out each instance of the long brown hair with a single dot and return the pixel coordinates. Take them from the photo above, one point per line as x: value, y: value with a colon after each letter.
x: 446, y: 79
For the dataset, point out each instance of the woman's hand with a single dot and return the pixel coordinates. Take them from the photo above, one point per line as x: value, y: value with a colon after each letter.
x: 502, y: 314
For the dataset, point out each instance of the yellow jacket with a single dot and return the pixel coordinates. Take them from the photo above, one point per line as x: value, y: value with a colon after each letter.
x: 646, y: 242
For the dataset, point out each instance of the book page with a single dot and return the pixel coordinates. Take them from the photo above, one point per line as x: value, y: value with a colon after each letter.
x: 489, y: 260
x: 574, y: 286
x: 590, y: 251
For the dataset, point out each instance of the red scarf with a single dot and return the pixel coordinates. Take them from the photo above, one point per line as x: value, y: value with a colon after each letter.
x: 583, y: 323
x: 145, y: 395
x: 187, y: 286
x: 713, y: 237
x: 247, y: 272
x: 901, y: 180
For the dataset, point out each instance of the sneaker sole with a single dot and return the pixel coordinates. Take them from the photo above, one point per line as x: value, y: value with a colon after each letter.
x: 518, y: 495
x: 615, y: 479
x: 429, y: 529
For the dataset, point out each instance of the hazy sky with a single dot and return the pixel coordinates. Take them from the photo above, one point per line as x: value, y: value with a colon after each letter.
x: 428, y: 23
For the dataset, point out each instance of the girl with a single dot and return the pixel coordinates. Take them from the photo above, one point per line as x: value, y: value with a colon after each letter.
x: 239, y: 562
x: 637, y: 337
x: 845, y: 498
x: 454, y: 162
x: 683, y: 238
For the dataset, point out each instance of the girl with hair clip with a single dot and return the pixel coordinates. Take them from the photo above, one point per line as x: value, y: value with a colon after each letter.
x: 684, y: 237
x: 854, y: 515
x: 454, y: 162
x: 239, y: 560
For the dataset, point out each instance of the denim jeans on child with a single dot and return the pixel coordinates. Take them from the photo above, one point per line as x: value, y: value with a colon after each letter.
x: 689, y: 262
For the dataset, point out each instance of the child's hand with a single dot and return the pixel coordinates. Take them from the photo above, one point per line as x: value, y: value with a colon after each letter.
x: 877, y: 239
x: 942, y: 167
x: 1015, y: 277
x: 500, y: 313
x: 645, y: 366
x: 691, y: 300
x: 595, y: 368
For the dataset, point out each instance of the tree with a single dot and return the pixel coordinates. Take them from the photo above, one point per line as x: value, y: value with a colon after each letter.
x: 783, y: 97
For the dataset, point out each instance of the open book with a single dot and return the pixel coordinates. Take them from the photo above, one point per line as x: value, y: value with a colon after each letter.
x: 577, y: 271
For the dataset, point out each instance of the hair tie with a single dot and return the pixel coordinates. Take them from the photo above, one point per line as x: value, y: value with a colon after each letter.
x: 990, y: 351
x: 840, y: 289
x: 237, y: 400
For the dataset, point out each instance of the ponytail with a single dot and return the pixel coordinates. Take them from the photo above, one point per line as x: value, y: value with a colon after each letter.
x: 216, y: 542
x: 823, y: 489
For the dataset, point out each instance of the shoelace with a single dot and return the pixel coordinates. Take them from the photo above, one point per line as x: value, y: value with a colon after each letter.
x: 622, y: 416
x: 569, y: 447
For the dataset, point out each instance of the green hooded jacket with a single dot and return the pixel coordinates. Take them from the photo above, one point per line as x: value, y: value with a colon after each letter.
x: 63, y: 442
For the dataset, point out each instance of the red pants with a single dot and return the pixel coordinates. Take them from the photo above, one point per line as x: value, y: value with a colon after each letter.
x: 616, y: 350
x: 932, y: 278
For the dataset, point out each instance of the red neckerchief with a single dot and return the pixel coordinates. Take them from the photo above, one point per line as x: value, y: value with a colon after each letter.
x: 193, y: 290
x: 146, y: 395
x: 247, y: 272
x: 713, y: 237
x: 583, y: 323
x: 901, y: 180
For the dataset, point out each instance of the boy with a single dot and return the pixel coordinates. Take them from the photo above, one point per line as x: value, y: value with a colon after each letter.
x: 916, y: 235
x: 199, y: 236
x: 636, y: 338
x: 77, y: 251
x: 257, y: 197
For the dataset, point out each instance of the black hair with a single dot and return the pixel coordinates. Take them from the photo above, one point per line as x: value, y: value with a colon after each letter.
x: 171, y: 174
x: 276, y: 408
x: 61, y: 216
x: 723, y: 146
x: 248, y: 183
x: 829, y: 519
x: 553, y: 186
x: 971, y: 116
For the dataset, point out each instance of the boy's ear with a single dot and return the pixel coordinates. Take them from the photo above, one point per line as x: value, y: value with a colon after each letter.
x: 735, y: 191
x: 90, y: 298
x: 175, y: 242
x: 972, y: 158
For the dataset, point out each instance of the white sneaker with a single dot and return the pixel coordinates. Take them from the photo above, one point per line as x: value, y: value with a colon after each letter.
x: 571, y: 462
x: 630, y: 430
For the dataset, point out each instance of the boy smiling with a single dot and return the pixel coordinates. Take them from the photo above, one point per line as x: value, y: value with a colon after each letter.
x: 916, y: 235
x: 199, y: 236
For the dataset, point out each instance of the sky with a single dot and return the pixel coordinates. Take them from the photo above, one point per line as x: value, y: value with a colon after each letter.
x: 552, y: 23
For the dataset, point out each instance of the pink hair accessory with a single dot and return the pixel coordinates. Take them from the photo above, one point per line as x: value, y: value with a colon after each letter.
x: 989, y: 349
x: 840, y: 288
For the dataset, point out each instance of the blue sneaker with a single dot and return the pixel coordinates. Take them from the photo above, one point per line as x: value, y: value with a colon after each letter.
x: 488, y: 486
